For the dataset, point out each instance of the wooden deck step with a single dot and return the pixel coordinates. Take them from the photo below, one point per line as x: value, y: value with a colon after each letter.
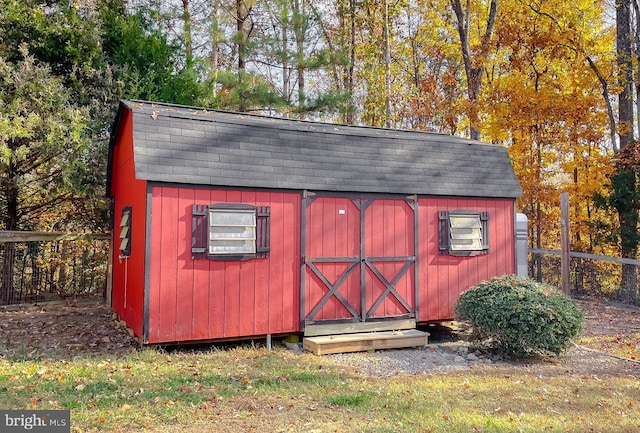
x: 368, y: 341
x: 358, y: 327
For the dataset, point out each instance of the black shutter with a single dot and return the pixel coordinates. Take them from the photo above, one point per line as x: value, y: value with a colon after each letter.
x: 443, y: 232
x: 484, y: 221
x: 199, y: 231
x: 263, y: 231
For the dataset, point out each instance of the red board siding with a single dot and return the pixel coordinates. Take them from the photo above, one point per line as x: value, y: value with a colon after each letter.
x: 127, y: 295
x: 333, y: 233
x: 389, y: 232
x: 206, y: 299
x: 444, y: 277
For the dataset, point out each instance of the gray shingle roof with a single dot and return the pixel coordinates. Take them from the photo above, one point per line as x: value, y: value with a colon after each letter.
x: 179, y: 144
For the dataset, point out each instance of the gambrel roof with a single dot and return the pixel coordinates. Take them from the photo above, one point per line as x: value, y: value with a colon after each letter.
x: 186, y: 145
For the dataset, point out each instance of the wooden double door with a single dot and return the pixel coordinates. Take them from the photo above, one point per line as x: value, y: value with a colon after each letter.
x: 359, y: 260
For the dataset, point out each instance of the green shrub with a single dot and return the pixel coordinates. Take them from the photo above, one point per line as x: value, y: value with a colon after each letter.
x: 520, y: 316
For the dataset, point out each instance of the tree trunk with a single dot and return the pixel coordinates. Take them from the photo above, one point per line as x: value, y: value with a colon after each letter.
x: 10, y: 223
x: 188, y: 44
x: 347, y: 20
x: 629, y: 243
x: 538, y: 211
x: 538, y: 242
x: 7, y: 295
x: 350, y: 115
x: 605, y: 95
x: 342, y: 68
x: 286, y: 86
x: 241, y: 53
x: 387, y: 66
x: 61, y: 287
x: 627, y: 203
x: 243, y: 33
x: 215, y: 40
x: 636, y: 48
x: 299, y: 29
x: 473, y: 68
x: 625, y: 78
x: 240, y: 17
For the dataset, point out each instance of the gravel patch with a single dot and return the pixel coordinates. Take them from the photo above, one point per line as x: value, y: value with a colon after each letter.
x: 457, y: 357
x: 434, y: 358
x: 449, y: 350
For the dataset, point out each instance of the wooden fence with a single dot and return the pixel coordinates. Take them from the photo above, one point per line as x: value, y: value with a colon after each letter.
x: 589, y: 274
x: 38, y: 266
x: 583, y: 273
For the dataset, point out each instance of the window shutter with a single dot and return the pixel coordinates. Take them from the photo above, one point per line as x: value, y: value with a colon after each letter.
x: 199, y: 231
x: 443, y: 232
x: 263, y: 231
x: 484, y: 220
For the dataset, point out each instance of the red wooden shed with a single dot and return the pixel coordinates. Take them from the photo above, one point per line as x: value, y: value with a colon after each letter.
x: 230, y: 225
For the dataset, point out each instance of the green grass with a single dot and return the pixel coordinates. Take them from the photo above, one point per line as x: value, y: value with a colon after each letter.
x: 245, y: 390
x: 348, y: 399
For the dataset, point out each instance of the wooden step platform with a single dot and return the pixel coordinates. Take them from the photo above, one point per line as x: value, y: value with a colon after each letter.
x: 368, y: 341
x: 313, y: 330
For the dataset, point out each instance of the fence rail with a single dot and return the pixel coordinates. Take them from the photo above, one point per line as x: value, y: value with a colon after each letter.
x: 589, y: 274
x: 19, y: 236
x: 588, y: 256
x: 38, y: 266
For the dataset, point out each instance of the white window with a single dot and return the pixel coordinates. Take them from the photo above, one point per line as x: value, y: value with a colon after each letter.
x: 232, y: 231
x: 464, y: 233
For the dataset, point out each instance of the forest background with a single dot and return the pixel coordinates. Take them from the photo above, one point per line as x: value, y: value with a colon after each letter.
x: 555, y: 82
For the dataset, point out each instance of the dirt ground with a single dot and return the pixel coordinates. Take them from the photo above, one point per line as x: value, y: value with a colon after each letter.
x: 61, y: 331
x: 609, y: 318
